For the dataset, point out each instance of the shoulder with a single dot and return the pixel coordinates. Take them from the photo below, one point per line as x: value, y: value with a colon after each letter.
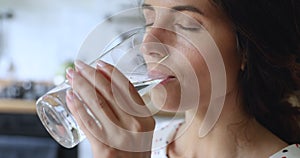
x: 291, y: 151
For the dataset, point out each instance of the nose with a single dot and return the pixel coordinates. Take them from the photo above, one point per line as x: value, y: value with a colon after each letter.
x: 155, y: 43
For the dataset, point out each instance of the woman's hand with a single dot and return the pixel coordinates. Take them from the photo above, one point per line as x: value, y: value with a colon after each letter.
x: 122, y: 125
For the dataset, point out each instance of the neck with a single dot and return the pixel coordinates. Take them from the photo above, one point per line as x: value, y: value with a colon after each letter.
x: 233, y: 131
x: 222, y: 135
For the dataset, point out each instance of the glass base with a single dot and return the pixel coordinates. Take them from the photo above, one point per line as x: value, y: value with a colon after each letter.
x: 59, y: 123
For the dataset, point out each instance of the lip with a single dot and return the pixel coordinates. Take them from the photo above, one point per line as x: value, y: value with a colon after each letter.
x: 167, y: 80
x: 158, y: 74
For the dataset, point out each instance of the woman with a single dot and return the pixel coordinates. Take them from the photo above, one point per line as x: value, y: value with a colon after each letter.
x: 259, y: 43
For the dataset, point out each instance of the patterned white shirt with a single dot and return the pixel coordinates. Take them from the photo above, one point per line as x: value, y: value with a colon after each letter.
x: 165, y: 134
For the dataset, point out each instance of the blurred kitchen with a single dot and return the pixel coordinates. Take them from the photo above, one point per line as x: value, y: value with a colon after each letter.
x: 38, y: 40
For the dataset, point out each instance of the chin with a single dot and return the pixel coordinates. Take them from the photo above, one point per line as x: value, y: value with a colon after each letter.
x: 168, y: 98
x: 165, y: 99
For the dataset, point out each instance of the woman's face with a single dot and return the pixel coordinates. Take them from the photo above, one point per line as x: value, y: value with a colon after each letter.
x: 186, y: 31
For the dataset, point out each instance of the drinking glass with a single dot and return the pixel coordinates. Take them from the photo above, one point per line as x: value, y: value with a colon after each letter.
x: 124, y: 53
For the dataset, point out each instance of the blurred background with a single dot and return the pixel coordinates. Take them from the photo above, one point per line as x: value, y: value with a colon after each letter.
x: 38, y: 40
x: 37, y: 36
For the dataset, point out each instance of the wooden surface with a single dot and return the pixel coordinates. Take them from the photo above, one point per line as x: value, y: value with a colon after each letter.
x: 17, y: 106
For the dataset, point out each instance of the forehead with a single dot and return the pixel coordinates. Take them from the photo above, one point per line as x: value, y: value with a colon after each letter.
x: 204, y: 5
x: 171, y: 3
x: 212, y: 13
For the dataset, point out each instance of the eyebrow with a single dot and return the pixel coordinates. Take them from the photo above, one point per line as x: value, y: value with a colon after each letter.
x: 178, y: 8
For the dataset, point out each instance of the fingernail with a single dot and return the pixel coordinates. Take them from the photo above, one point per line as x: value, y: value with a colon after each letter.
x: 79, y: 64
x: 70, y: 72
x: 101, y: 63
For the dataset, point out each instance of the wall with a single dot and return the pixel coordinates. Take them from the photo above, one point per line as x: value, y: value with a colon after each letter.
x: 44, y: 34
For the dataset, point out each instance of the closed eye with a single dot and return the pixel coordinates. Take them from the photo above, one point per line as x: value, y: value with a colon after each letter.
x: 188, y: 28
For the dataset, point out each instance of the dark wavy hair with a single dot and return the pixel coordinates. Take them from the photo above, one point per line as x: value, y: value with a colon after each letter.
x: 268, y: 33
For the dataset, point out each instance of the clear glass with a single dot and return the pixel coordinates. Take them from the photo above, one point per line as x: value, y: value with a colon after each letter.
x: 124, y: 53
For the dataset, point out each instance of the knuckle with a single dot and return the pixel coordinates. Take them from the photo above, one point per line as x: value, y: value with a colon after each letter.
x: 89, y: 123
x: 108, y: 89
x: 98, y: 101
x: 90, y: 72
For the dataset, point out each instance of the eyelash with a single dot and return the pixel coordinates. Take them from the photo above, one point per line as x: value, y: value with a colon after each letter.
x: 180, y: 26
x: 188, y: 28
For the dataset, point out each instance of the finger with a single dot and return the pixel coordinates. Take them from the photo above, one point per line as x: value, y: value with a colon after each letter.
x: 103, y: 85
x: 92, y: 99
x: 126, y: 95
x: 97, y: 132
x: 86, y: 123
x: 128, y: 108
x: 103, y: 140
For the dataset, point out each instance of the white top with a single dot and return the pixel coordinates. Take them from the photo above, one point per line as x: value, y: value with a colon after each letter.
x: 165, y: 134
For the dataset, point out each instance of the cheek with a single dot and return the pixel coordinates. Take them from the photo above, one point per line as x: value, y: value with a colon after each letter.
x: 182, y: 94
x: 201, y: 75
x: 226, y: 41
